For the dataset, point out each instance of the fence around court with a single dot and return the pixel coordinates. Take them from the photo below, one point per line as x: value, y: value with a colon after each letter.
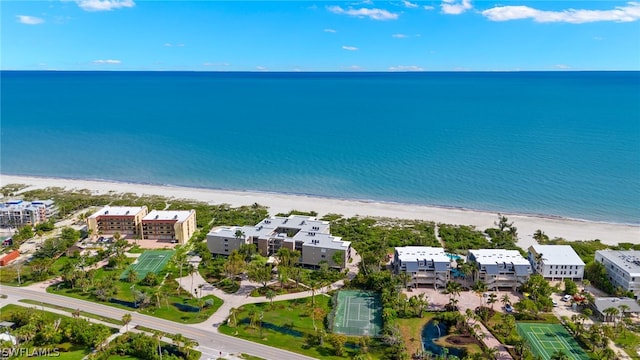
x: 340, y: 318
x: 149, y: 261
x: 545, y: 339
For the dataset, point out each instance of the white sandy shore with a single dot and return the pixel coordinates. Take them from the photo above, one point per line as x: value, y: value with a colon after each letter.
x: 554, y: 227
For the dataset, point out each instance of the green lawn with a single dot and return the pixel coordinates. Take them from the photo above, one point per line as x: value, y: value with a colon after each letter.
x: 630, y: 342
x: 125, y: 293
x: 75, y: 353
x: 70, y: 310
x: 285, y: 325
x: 411, y: 330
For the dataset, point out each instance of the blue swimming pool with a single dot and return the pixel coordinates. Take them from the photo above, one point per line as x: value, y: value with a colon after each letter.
x: 454, y: 256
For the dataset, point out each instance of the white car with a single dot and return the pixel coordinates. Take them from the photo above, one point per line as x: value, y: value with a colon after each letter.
x: 555, y: 303
x: 567, y: 297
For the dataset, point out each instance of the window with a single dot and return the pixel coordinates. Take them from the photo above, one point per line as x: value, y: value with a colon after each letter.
x: 323, y: 256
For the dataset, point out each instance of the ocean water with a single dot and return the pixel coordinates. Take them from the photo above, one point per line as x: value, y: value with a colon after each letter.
x: 553, y: 143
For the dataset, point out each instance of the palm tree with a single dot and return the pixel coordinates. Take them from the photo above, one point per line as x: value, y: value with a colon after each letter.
x: 157, y: 335
x: 521, y: 347
x: 492, y: 353
x: 493, y: 298
x: 505, y: 299
x: 540, y: 236
x: 192, y: 270
x: 436, y: 323
x: 313, y: 284
x: 559, y: 355
x: 270, y: 295
x: 126, y: 319
x: 179, y: 259
x: 610, y: 313
x: 179, y: 340
x: 233, y: 312
x: 188, y: 345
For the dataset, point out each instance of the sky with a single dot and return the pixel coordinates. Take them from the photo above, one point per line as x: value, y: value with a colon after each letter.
x: 402, y: 35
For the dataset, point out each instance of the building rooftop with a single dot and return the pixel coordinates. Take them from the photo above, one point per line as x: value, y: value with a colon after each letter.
x: 415, y: 253
x: 305, y: 229
x: 118, y: 211
x: 629, y: 260
x: 557, y: 254
x: 494, y: 256
x: 604, y: 303
x: 168, y: 215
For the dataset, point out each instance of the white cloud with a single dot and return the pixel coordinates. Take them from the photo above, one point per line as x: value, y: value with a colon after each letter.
x: 400, y: 36
x: 261, y: 68
x: 428, y: 7
x: 107, y: 61
x: 561, y: 67
x: 405, y: 68
x: 215, y: 64
x: 349, y: 48
x: 104, y: 5
x: 628, y: 13
x: 29, y: 20
x: 353, y: 68
x: 599, y: 38
x: 170, y: 45
x: 374, y: 14
x: 409, y: 4
x: 329, y: 30
x: 453, y: 7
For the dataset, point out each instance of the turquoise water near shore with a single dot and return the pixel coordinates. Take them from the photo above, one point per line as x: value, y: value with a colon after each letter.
x: 553, y: 143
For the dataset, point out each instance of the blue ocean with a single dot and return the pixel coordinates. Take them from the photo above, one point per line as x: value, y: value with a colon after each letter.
x: 553, y: 143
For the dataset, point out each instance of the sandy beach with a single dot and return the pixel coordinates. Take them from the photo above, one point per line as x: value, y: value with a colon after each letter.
x: 569, y: 229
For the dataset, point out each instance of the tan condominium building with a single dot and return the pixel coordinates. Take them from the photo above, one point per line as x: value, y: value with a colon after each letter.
x: 305, y: 234
x: 177, y: 226
x: 125, y: 220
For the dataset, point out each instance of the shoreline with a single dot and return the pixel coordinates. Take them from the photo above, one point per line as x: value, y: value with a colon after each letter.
x: 554, y: 226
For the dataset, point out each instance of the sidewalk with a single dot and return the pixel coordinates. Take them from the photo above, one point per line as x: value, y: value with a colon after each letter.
x: 241, y: 297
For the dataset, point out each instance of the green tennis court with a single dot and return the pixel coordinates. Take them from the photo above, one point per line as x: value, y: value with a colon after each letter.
x: 545, y: 339
x: 149, y: 261
x: 358, y: 313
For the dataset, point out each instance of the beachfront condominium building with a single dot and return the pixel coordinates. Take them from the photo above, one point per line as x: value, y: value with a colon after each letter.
x: 125, y: 220
x: 499, y: 268
x: 16, y: 213
x: 169, y: 225
x: 556, y: 262
x: 425, y: 266
x: 623, y: 268
x: 305, y: 234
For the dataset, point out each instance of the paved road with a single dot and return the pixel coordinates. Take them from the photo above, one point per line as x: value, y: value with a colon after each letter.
x: 207, y: 339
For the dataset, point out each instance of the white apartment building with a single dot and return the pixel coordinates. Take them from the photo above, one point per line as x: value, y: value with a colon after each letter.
x: 426, y: 266
x: 556, y: 262
x: 499, y: 268
x: 16, y: 213
x: 623, y: 268
x: 305, y: 234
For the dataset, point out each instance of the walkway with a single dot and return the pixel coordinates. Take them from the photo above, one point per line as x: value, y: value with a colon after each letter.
x: 241, y: 297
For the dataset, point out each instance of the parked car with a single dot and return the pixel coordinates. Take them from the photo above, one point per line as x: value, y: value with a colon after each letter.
x: 508, y: 308
x: 555, y: 303
x: 567, y: 297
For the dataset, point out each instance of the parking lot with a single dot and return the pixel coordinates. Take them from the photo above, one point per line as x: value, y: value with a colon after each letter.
x: 467, y: 299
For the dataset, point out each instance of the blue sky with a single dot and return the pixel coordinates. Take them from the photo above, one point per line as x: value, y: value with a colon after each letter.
x: 449, y: 35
